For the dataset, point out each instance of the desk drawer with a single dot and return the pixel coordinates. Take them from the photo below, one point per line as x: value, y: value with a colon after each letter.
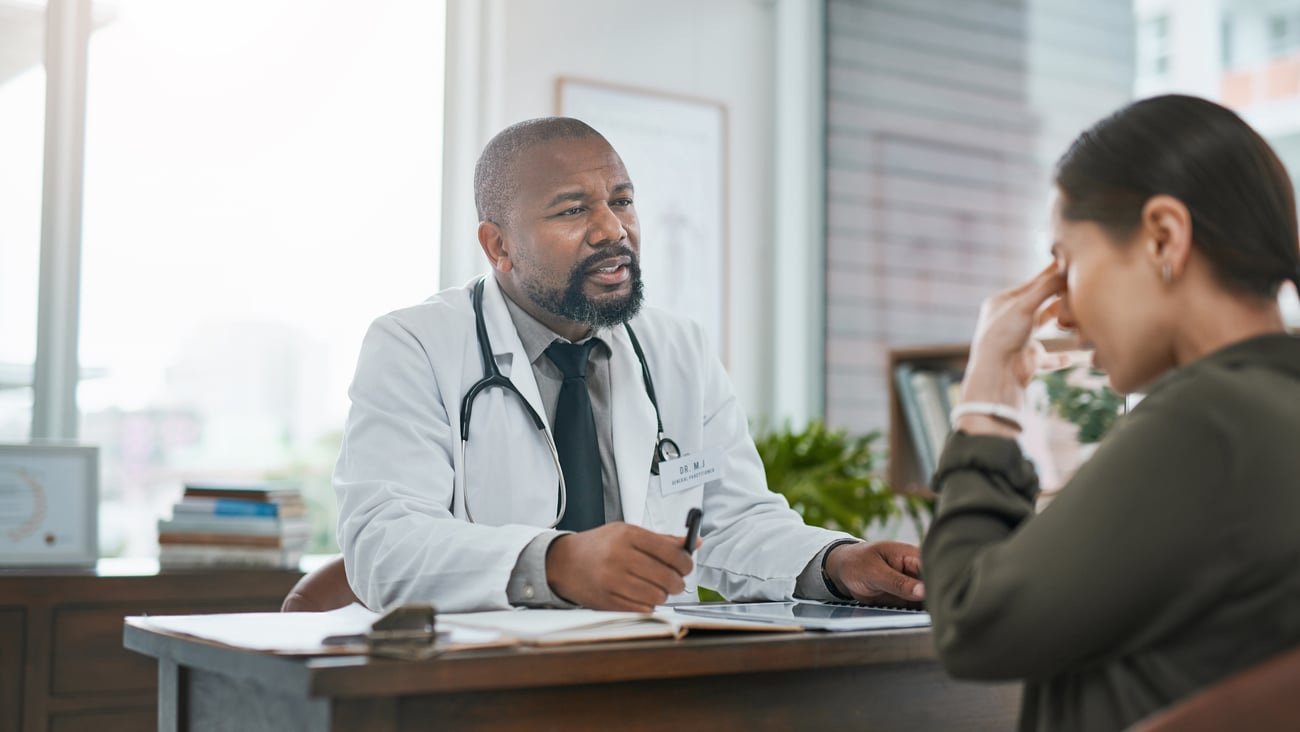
x: 88, y: 654
x: 116, y: 720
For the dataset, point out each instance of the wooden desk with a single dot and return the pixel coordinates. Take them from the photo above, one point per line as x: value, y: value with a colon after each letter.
x: 62, y: 665
x: 879, y: 681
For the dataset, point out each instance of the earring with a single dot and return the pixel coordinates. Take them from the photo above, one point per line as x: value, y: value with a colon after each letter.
x: 1167, y: 273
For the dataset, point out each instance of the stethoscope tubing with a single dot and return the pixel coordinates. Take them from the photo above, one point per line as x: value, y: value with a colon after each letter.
x: 665, y: 448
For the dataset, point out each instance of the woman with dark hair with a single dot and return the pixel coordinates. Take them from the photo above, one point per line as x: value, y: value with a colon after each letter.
x: 1172, y: 558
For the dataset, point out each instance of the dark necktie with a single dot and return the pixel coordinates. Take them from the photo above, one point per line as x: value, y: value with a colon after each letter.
x: 575, y: 438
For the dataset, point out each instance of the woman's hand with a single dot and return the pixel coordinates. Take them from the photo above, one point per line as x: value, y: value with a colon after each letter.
x: 1003, y: 357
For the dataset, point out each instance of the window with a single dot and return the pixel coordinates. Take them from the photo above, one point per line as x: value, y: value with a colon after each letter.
x: 262, y: 179
x: 1283, y: 34
x: 22, y: 134
x: 1251, y: 42
x: 1153, y: 46
x: 1227, y: 60
x: 938, y: 160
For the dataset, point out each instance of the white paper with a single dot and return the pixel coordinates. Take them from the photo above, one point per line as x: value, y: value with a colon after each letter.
x: 285, y: 633
x: 303, y: 633
x: 543, y: 626
x: 540, y: 625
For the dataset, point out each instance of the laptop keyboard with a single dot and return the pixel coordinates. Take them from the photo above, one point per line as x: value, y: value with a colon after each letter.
x: 854, y: 603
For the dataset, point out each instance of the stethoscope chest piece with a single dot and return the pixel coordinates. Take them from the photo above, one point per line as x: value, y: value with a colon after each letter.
x: 665, y: 450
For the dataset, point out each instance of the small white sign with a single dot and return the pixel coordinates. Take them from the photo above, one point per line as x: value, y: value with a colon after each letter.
x: 49, y: 505
x: 689, y: 471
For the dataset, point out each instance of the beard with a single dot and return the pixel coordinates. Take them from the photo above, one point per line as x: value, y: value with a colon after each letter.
x: 572, y: 303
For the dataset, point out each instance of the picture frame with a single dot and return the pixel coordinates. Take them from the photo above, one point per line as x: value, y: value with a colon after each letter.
x: 49, y: 505
x: 675, y: 148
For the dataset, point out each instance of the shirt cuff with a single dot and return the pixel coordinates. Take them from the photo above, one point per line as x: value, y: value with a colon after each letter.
x: 528, y: 586
x: 812, y: 583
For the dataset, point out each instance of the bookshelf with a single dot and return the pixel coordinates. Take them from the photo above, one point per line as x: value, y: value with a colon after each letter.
x: 904, y: 472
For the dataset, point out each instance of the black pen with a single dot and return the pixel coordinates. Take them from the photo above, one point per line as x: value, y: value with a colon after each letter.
x: 693, y: 518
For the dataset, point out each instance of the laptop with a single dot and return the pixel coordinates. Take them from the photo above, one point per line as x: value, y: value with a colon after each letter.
x: 812, y: 615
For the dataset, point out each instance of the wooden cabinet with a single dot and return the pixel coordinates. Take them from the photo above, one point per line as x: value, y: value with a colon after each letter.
x: 11, y: 670
x: 62, y: 664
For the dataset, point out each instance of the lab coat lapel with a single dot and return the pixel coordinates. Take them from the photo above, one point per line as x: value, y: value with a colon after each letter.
x: 507, y: 349
x: 633, y: 418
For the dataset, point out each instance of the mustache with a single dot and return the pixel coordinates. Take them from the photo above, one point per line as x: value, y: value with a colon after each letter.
x: 599, y: 259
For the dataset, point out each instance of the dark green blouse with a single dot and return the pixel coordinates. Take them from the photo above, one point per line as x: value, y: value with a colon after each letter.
x: 1169, y: 561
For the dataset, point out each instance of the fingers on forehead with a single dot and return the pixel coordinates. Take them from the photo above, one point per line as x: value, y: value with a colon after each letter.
x: 1048, y: 276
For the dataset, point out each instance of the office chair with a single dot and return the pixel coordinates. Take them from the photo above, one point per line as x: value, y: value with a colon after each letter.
x: 324, y: 588
x: 1263, y: 697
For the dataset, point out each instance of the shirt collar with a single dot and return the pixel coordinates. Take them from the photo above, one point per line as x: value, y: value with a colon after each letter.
x: 1274, y: 351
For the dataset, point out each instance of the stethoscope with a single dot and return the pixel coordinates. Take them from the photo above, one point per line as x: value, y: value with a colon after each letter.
x: 665, y: 448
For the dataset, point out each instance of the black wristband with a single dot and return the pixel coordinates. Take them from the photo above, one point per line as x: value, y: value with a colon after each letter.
x: 830, y: 585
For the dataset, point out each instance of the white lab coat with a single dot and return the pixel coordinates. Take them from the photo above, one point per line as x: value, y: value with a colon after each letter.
x: 402, y: 487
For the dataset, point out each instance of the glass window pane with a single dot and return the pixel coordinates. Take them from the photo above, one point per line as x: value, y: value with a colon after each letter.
x: 1258, y: 76
x: 942, y: 131
x: 22, y: 135
x: 262, y: 179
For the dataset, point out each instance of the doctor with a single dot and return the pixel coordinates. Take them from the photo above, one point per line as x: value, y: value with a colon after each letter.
x: 537, y: 438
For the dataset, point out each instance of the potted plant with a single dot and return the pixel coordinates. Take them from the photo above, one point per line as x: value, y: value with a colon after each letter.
x: 833, y: 479
x: 1080, y: 396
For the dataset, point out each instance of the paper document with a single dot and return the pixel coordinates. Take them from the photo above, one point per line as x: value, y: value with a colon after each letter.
x: 304, y: 633
x: 555, y: 627
x: 293, y: 633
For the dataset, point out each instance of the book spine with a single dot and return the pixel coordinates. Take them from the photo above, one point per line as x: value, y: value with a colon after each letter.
x: 198, y: 555
x: 234, y: 540
x: 249, y: 525
x: 226, y: 507
x: 247, y: 493
x: 931, y: 401
x: 907, y: 399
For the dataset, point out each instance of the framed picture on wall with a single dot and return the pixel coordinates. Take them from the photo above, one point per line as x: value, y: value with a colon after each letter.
x: 675, y: 150
x: 49, y: 505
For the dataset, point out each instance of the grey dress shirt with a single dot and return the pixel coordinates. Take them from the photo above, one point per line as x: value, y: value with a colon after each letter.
x: 528, y: 585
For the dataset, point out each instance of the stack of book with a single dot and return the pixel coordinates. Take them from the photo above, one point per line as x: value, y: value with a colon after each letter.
x: 927, y: 396
x: 234, y: 525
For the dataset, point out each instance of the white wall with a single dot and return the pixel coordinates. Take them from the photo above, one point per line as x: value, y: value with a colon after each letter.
x: 504, y: 57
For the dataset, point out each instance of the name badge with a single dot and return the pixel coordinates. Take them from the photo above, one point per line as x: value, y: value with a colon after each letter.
x: 689, y: 471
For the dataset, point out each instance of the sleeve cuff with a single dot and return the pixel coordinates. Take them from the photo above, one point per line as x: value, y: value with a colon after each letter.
x: 813, y: 582
x: 988, y: 455
x: 528, y: 586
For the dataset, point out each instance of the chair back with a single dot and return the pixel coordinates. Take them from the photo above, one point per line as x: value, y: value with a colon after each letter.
x: 323, y: 588
x: 1261, y: 698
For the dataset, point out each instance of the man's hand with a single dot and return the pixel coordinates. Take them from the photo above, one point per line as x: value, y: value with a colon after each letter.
x: 617, y: 566
x: 877, y: 572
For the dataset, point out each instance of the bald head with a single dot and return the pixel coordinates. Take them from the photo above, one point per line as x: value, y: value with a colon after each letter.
x: 495, y: 175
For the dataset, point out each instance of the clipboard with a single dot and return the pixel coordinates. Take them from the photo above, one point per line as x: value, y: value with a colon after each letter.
x: 406, y: 632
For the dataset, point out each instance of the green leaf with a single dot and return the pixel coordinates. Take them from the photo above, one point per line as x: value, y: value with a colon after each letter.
x: 1092, y: 409
x: 831, y: 478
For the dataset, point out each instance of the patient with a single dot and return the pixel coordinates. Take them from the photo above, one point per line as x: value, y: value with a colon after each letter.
x: 1172, y: 559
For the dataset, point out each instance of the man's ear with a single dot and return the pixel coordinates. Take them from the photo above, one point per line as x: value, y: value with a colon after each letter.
x: 1167, y: 229
x: 493, y: 241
